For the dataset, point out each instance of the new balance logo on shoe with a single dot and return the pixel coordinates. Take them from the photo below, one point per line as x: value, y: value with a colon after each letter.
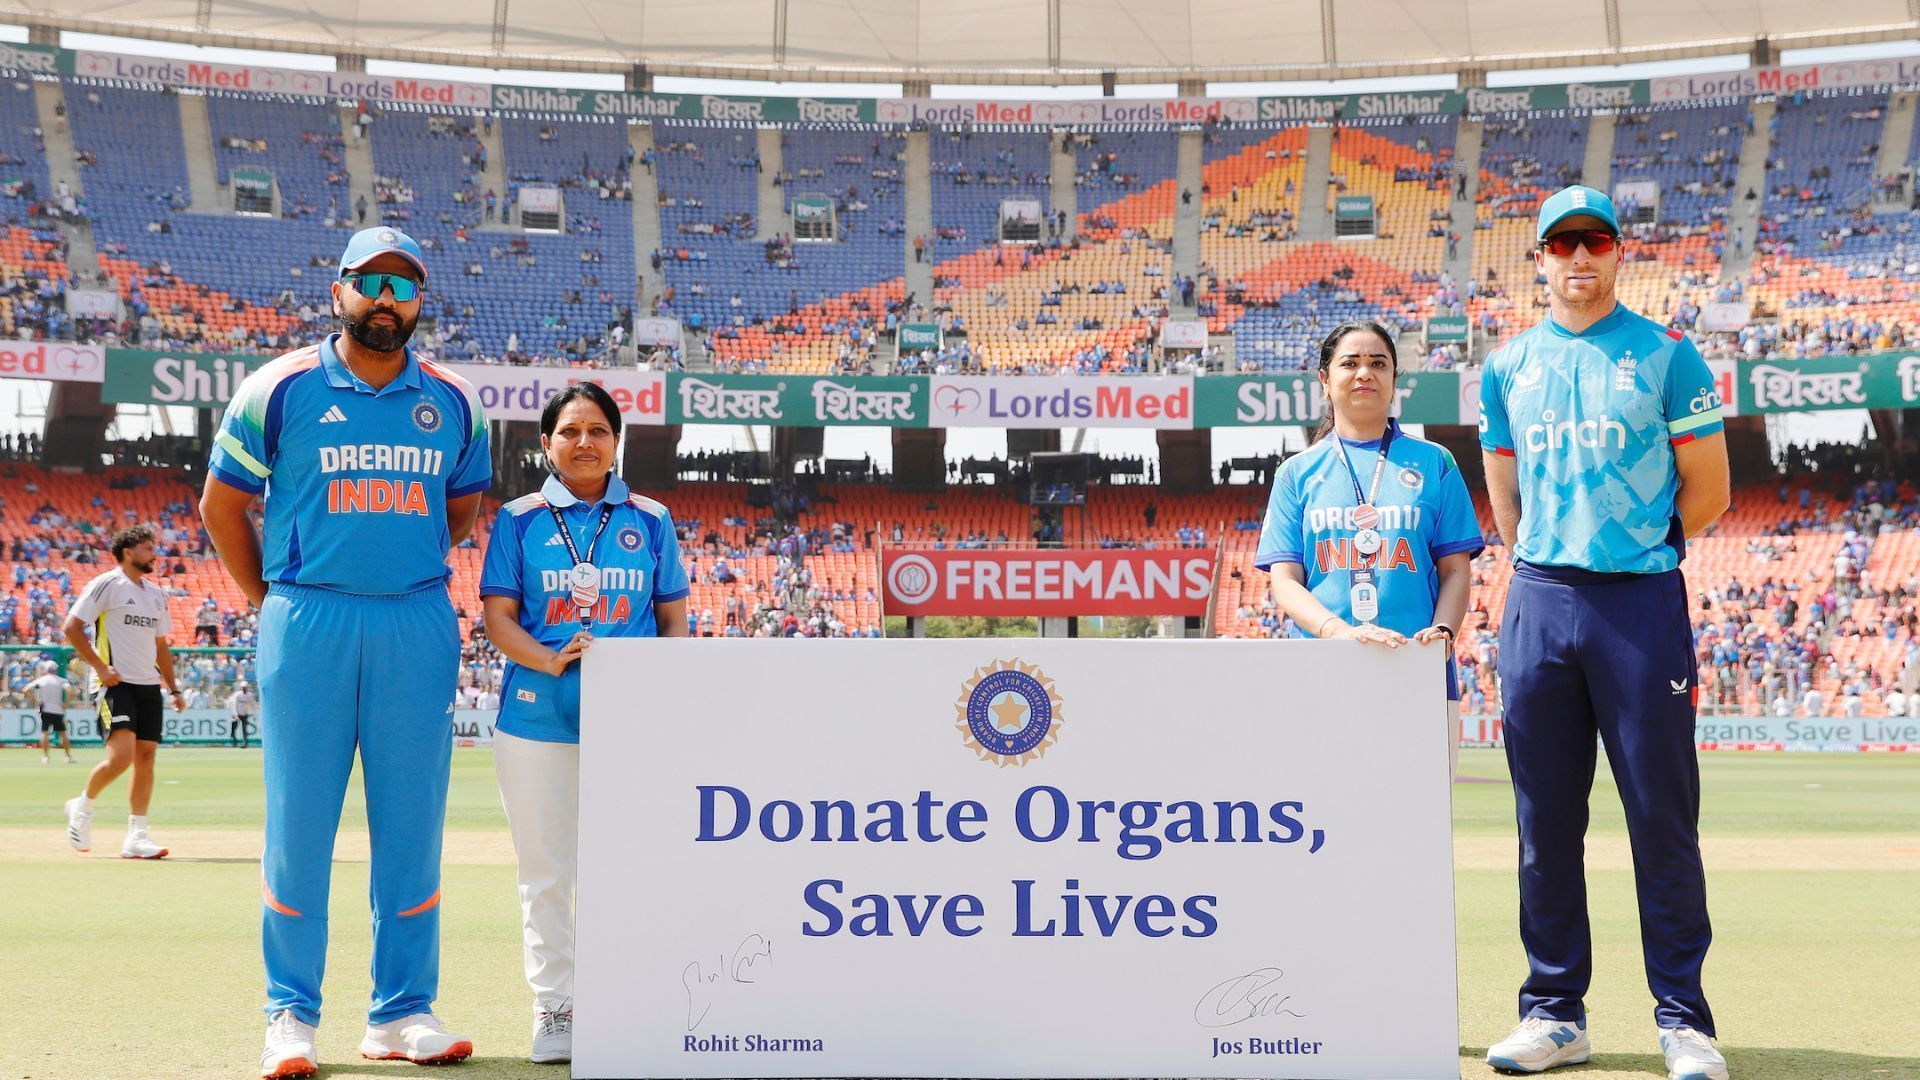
x: 1679, y: 685
x: 1563, y: 1036
x: 333, y: 415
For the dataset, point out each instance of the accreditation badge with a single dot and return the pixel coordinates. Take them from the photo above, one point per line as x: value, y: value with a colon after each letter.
x: 1367, y: 541
x: 1364, y: 597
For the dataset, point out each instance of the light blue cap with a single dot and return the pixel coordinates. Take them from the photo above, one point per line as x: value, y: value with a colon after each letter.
x: 1571, y: 201
x: 369, y: 244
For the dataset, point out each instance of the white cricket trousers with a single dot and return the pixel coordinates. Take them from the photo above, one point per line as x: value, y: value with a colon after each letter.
x: 540, y: 788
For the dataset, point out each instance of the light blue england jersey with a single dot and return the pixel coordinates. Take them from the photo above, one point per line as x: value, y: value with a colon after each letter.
x: 356, y: 479
x: 1425, y: 515
x: 639, y: 559
x: 1591, y: 420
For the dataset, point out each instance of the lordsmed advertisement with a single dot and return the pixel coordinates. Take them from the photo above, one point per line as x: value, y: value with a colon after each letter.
x: 1001, y: 858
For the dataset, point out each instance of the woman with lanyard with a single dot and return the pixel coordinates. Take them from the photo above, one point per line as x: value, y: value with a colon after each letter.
x: 583, y: 557
x: 1370, y: 534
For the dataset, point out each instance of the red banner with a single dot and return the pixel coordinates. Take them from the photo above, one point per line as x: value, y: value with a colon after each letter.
x: 1047, y: 582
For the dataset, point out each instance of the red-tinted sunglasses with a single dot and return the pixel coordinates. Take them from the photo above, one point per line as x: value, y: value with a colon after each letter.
x: 1597, y: 242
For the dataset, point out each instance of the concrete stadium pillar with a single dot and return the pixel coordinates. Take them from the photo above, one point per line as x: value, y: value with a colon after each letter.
x: 916, y: 88
x: 919, y: 459
x: 1192, y: 87
x: 1463, y: 442
x: 1186, y: 461
x: 652, y: 457
x: 76, y: 433
x: 1748, y: 449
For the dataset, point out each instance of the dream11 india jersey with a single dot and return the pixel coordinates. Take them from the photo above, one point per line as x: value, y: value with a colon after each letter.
x: 1425, y: 515
x: 1591, y: 420
x: 360, y: 478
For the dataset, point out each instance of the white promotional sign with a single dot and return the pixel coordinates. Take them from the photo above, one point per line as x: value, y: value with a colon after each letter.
x: 1055, y: 401
x: 1183, y: 334
x: 511, y: 392
x: 655, y: 331
x: 1878, y: 71
x: 93, y: 303
x: 540, y: 200
x: 335, y: 85
x: 55, y: 361
x: 999, y: 858
x: 1725, y: 316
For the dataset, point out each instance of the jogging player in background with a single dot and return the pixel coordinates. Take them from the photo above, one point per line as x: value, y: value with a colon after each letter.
x: 130, y: 660
x: 370, y: 461
x: 50, y: 690
x: 1602, y: 438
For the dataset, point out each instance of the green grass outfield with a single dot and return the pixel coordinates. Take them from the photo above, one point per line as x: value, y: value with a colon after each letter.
x: 113, y: 969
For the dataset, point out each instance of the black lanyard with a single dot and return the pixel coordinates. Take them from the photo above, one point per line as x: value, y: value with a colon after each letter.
x: 566, y: 534
x: 1367, y: 498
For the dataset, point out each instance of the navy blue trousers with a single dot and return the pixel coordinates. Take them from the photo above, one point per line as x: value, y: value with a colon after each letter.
x: 1585, y: 654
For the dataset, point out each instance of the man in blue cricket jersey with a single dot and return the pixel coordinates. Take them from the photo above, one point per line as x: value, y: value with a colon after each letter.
x: 1602, y: 436
x: 370, y: 461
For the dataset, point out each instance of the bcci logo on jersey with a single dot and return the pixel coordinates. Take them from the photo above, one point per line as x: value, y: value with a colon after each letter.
x: 426, y: 417
x: 1009, y: 713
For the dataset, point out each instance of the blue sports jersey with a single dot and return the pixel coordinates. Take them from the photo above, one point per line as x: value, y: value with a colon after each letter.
x: 639, y: 560
x: 1591, y: 420
x: 1425, y: 515
x: 357, y: 479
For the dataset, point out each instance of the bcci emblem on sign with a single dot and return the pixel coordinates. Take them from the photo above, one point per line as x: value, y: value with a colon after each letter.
x: 1009, y: 713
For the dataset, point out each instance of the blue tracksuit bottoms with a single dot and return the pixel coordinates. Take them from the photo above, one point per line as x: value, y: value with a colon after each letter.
x: 1586, y: 654
x: 340, y: 672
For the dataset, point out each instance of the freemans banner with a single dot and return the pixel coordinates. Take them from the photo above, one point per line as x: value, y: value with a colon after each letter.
x: 1168, y: 402
x: 1047, y: 582
x: 1014, y: 859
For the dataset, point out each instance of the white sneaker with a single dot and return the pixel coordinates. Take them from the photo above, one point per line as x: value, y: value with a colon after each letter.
x: 1539, y: 1044
x: 141, y: 846
x: 289, y: 1053
x: 1691, y: 1055
x: 553, y: 1037
x: 419, y: 1038
x: 79, y: 826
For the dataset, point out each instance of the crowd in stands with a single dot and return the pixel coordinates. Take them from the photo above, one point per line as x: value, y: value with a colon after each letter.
x: 1806, y: 597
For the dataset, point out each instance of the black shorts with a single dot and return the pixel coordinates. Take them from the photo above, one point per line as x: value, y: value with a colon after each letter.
x: 53, y: 721
x: 127, y: 707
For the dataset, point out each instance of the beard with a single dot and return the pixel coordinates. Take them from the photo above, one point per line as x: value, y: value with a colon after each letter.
x: 379, y: 336
x: 144, y: 567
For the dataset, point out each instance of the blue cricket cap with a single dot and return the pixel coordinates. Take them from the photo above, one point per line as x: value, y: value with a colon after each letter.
x: 369, y: 244
x: 1573, y: 201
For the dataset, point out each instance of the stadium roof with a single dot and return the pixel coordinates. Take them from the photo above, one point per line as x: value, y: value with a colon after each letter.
x: 1010, y: 41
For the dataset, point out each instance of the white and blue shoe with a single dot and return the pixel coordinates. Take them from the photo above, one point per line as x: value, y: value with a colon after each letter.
x: 1539, y: 1044
x: 1691, y: 1055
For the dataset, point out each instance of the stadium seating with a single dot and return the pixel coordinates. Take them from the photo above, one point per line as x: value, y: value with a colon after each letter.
x: 1863, y: 644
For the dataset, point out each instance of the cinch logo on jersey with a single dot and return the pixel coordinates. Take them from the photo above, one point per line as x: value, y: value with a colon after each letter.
x: 1590, y: 434
x: 616, y: 603
x: 379, y: 495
